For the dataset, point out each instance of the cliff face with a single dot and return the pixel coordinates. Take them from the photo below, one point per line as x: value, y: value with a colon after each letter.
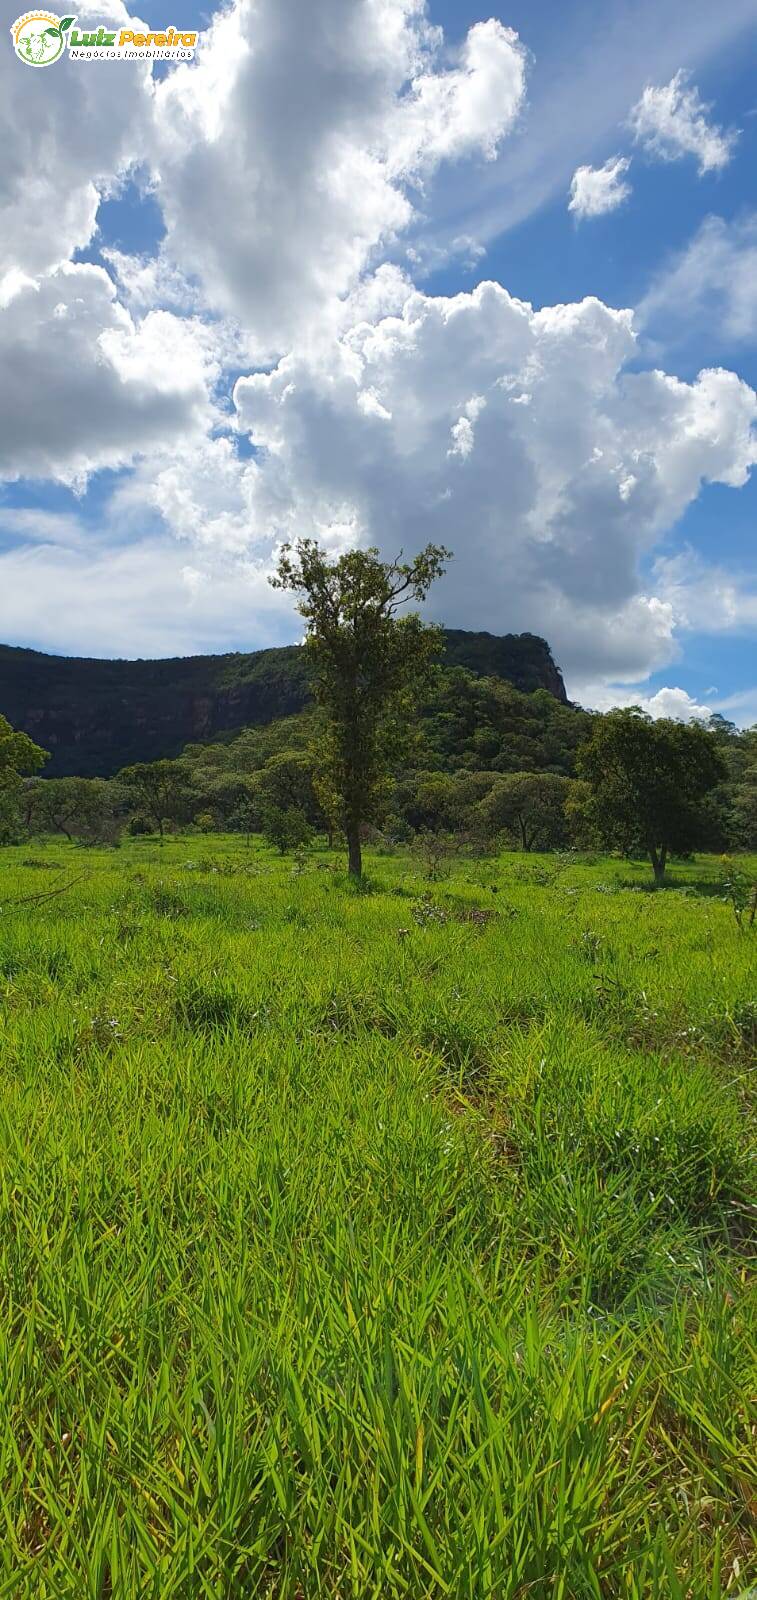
x: 522, y: 659
x: 97, y: 716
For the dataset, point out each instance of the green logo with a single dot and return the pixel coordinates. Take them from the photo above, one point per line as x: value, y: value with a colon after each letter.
x: 39, y: 37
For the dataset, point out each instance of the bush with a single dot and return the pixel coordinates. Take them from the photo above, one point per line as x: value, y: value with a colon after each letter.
x: 286, y: 829
x: 205, y: 822
x: 434, y: 851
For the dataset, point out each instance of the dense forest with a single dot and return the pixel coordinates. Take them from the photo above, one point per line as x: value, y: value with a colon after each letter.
x: 95, y: 717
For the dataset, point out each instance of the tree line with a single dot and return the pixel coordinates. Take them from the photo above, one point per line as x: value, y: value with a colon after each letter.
x: 397, y: 749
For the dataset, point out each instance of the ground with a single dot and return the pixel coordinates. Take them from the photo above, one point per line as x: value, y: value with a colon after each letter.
x: 372, y: 1244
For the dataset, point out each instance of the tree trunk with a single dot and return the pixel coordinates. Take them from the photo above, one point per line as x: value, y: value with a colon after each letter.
x: 354, y: 852
x: 658, y: 864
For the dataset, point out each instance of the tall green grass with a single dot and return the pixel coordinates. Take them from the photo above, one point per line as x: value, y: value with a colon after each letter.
x: 370, y: 1244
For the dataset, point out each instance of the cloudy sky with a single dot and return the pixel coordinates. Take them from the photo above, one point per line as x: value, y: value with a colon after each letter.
x: 387, y: 272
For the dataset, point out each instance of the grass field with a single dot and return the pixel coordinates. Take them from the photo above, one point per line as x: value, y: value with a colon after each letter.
x: 373, y: 1244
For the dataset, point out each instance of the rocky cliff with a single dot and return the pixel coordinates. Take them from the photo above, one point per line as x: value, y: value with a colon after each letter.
x: 96, y: 716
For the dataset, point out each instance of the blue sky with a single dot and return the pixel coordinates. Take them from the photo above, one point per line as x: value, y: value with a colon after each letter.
x: 238, y: 326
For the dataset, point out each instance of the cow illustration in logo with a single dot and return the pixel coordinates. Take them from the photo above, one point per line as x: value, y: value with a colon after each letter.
x: 39, y: 37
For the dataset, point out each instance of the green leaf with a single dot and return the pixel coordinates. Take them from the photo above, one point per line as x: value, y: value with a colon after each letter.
x: 66, y: 23
x: 54, y: 31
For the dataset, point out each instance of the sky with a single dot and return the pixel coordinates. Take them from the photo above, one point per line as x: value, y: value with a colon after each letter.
x: 382, y: 272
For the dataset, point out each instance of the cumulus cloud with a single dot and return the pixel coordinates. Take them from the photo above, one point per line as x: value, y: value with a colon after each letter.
x: 85, y: 386
x: 303, y: 140
x: 582, y: 83
x: 519, y: 438
x: 207, y: 496
x: 67, y: 139
x: 147, y: 281
x: 671, y: 702
x: 677, y: 704
x: 671, y: 121
x: 594, y: 190
x: 447, y: 115
x: 711, y: 285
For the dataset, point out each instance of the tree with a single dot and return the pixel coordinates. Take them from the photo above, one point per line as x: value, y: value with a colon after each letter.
x: 485, y: 724
x: 162, y: 789
x: 583, y: 831
x: 743, y: 813
x: 243, y: 818
x: 286, y: 780
x: 531, y: 805
x: 446, y: 801
x: 286, y: 829
x: 20, y: 757
x: 739, y: 796
x: 650, y: 782
x: 368, y: 664
x: 80, y: 808
x: 226, y: 796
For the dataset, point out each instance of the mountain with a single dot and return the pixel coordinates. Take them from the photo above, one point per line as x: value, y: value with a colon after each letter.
x: 96, y: 716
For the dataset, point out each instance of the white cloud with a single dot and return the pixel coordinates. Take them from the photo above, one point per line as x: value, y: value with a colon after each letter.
x: 207, y: 496
x: 594, y: 190
x: 302, y: 140
x: 677, y: 704
x: 671, y: 121
x: 711, y: 287
x: 134, y: 598
x: 84, y: 386
x: 148, y: 281
x: 67, y: 137
x: 425, y: 257
x: 34, y: 525
x: 584, y: 79
x: 447, y: 115
x: 671, y: 702
x: 705, y: 597
x: 517, y: 437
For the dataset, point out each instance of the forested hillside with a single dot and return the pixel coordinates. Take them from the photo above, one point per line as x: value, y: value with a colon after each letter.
x: 97, y: 716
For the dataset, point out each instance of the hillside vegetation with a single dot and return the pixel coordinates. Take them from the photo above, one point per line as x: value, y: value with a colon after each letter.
x: 382, y: 1242
x: 97, y: 716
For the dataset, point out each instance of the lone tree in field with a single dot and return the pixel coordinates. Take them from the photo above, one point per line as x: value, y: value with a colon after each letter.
x: 650, y: 782
x: 368, y: 663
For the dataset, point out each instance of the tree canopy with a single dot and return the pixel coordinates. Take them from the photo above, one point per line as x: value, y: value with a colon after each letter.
x: 368, y: 663
x: 19, y: 755
x: 649, y: 783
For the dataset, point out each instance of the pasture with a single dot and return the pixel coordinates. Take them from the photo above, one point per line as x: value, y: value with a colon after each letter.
x: 386, y: 1244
